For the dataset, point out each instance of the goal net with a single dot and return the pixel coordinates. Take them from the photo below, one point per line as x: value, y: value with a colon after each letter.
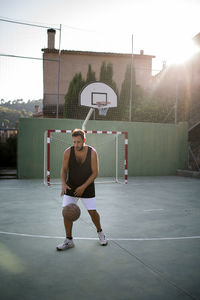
x: 111, y: 146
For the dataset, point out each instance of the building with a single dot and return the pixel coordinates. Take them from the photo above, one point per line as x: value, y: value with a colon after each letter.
x: 58, y: 71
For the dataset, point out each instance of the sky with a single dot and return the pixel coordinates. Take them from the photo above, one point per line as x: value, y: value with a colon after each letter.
x: 163, y: 28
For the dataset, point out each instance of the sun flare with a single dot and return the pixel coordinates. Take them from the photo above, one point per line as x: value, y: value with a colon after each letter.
x: 182, y: 52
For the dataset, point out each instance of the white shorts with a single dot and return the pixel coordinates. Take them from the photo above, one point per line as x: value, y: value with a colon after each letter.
x: 90, y: 203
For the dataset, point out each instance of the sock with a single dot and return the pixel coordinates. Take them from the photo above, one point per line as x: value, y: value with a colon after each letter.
x: 69, y: 238
x: 99, y: 231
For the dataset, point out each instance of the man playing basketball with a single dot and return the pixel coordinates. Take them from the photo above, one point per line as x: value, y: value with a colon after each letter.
x: 79, y: 170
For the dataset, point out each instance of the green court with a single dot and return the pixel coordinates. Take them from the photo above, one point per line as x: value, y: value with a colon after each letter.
x: 152, y: 224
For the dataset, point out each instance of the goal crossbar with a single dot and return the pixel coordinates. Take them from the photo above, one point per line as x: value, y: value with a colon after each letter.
x: 47, y: 150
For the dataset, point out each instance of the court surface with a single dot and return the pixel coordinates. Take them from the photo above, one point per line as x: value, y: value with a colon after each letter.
x: 153, y: 227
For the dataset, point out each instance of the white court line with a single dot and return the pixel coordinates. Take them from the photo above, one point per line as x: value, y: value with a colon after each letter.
x: 114, y: 239
x: 11, y: 188
x: 153, y: 183
x: 153, y: 209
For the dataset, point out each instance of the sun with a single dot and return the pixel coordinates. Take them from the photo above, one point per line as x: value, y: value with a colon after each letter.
x: 181, y: 52
x: 170, y: 31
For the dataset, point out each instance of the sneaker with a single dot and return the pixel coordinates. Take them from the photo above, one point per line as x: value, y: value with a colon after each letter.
x: 65, y: 245
x: 102, y: 238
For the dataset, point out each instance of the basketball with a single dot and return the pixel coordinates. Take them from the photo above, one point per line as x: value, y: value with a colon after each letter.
x: 71, y: 212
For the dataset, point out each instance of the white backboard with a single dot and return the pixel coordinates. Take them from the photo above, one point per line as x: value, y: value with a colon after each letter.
x: 98, y: 92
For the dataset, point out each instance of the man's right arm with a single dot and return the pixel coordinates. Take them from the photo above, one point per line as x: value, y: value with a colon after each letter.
x: 64, y: 170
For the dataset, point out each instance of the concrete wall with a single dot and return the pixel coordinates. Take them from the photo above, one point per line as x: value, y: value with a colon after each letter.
x: 154, y: 149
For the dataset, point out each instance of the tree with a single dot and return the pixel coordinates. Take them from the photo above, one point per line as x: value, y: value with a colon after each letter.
x: 124, y: 99
x: 103, y: 74
x: 72, y: 108
x: 106, y: 76
x: 9, y: 117
x: 91, y: 77
x: 71, y: 98
x: 172, y: 86
x: 157, y: 104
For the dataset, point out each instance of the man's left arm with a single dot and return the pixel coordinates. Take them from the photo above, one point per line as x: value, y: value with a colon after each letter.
x: 95, y: 170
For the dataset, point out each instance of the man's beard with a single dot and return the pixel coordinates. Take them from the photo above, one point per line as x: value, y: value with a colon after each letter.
x: 79, y: 149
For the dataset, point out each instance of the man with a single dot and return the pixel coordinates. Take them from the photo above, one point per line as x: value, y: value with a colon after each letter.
x: 79, y: 170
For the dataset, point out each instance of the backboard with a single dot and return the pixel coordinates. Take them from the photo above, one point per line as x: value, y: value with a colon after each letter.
x: 98, y: 94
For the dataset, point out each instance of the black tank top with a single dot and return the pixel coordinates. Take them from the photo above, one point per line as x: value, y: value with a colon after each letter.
x: 78, y: 173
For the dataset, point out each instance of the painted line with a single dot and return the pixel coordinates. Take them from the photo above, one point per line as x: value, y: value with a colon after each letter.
x: 12, y: 188
x: 158, y: 238
x: 111, y: 239
x: 153, y: 209
x: 43, y: 236
x: 153, y: 183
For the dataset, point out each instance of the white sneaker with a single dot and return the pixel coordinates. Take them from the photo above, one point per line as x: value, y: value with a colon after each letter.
x: 102, y: 238
x: 65, y: 245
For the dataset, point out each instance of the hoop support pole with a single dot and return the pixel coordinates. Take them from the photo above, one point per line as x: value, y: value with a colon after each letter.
x: 87, y: 118
x: 48, y: 157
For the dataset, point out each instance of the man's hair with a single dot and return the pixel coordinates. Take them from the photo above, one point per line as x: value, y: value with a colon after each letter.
x: 79, y: 132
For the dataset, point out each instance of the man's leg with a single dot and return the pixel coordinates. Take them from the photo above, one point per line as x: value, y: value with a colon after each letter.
x: 90, y: 204
x: 68, y: 224
x: 68, y: 228
x: 68, y: 242
x: 95, y: 219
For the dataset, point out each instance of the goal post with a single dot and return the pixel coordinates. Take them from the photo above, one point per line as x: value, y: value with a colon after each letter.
x: 111, y: 146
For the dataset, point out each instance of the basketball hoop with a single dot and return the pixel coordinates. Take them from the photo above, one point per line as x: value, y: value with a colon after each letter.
x: 101, y: 108
x: 97, y: 95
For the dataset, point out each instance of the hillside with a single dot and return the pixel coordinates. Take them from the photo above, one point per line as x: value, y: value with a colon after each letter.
x: 11, y: 111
